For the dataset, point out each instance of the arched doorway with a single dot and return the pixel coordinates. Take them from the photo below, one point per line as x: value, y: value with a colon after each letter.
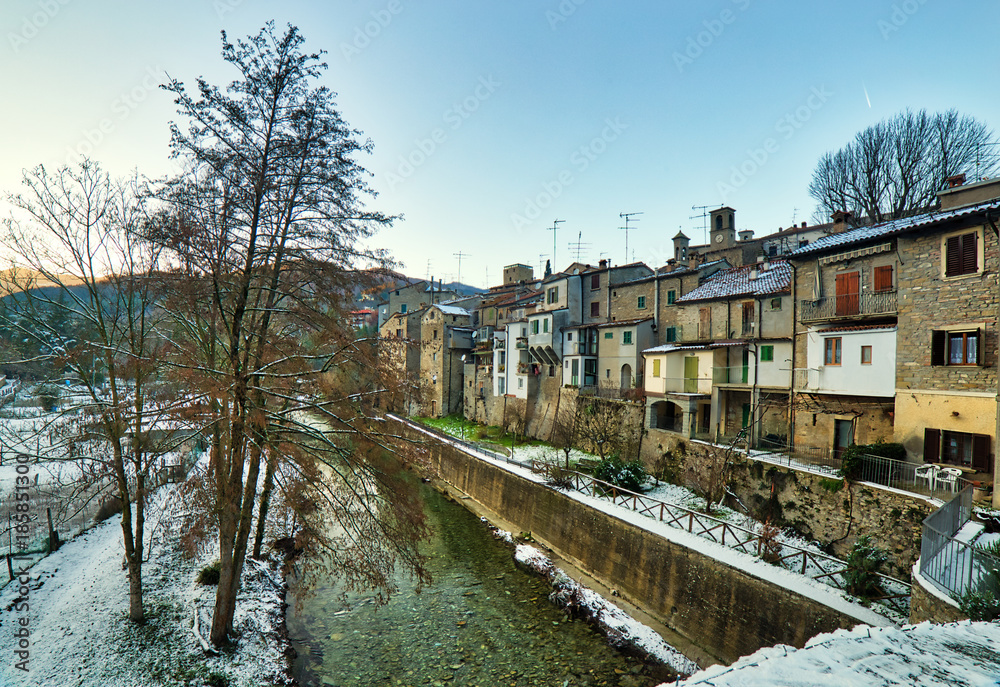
x: 626, y: 380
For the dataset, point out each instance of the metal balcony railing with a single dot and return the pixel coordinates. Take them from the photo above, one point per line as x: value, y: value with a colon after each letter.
x: 739, y: 374
x: 865, y: 304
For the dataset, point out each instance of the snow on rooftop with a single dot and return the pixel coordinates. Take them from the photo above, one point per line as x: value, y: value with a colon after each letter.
x: 924, y: 655
x: 452, y: 310
x: 891, y: 228
x: 748, y: 280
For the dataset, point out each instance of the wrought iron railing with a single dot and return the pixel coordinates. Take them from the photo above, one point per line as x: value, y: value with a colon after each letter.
x: 863, y: 304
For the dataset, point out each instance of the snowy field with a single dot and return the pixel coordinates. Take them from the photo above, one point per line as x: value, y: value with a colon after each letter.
x: 77, y: 616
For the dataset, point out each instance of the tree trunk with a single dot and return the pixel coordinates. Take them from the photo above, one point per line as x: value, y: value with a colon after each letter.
x: 265, y: 501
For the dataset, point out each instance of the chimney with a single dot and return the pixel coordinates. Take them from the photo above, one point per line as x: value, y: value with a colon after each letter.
x: 746, y: 235
x: 841, y: 221
x: 804, y: 225
x: 956, y: 181
x: 603, y: 263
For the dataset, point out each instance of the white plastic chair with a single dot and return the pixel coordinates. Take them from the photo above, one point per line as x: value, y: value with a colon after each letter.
x: 948, y: 477
x: 927, y: 473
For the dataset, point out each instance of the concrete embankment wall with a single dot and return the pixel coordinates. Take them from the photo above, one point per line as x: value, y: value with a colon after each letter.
x: 726, y: 611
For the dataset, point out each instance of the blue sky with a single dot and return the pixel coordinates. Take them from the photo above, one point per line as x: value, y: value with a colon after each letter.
x: 492, y: 119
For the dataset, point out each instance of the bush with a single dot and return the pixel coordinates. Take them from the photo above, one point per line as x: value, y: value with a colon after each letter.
x: 853, y: 456
x: 558, y: 477
x: 770, y: 549
x: 615, y: 471
x: 210, y: 574
x: 863, y: 565
x: 979, y: 605
x: 108, y: 508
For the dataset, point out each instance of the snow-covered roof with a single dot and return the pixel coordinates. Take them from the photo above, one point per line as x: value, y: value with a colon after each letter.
x: 892, y: 228
x: 748, y: 280
x: 452, y: 310
x: 622, y: 323
x: 925, y: 655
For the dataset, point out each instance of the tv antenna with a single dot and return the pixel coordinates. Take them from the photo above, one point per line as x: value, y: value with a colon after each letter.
x: 460, y: 255
x: 541, y: 262
x: 628, y: 217
x: 555, y: 225
x: 579, y: 246
x: 703, y: 217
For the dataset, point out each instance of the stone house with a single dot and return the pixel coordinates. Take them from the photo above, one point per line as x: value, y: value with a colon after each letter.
x: 415, y: 296
x: 731, y: 368
x: 399, y: 354
x: 445, y: 346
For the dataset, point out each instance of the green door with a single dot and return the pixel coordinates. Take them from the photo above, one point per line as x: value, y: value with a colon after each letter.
x: 746, y: 414
x: 691, y: 374
x: 746, y: 369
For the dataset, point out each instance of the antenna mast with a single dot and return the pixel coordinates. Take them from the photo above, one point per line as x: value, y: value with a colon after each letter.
x: 703, y: 217
x: 579, y: 246
x: 460, y: 255
x: 555, y: 225
x: 628, y: 217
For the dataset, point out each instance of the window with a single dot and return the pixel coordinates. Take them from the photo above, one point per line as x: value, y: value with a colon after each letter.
x: 882, y: 278
x: 766, y: 354
x: 545, y: 326
x: 772, y: 250
x: 956, y: 348
x: 957, y: 448
x: 961, y: 254
x: 609, y: 335
x: 595, y: 281
x: 776, y: 303
x: 833, y: 350
x: 656, y: 367
x: 803, y: 243
x: 524, y: 331
x: 402, y: 308
x: 641, y: 303
x: 399, y: 333
x: 552, y: 295
x: 534, y: 326
x: 595, y: 309
x: 520, y: 382
x: 866, y: 355
x: 671, y: 334
x: 848, y: 285
x: 435, y: 333
x: 671, y: 297
x: 569, y: 336
x: 748, y: 317
x: 627, y: 338
x: 434, y: 357
x: 501, y: 385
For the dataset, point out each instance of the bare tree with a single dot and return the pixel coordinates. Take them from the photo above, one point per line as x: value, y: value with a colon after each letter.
x: 86, y: 299
x: 268, y: 242
x: 605, y: 426
x: 564, y: 429
x: 896, y: 167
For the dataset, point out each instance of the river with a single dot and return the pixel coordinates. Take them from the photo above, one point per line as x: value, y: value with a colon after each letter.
x: 482, y: 621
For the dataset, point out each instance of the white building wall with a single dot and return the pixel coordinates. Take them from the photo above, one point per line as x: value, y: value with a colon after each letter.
x: 851, y: 376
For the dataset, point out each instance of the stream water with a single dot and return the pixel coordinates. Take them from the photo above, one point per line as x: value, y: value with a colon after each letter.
x: 482, y: 621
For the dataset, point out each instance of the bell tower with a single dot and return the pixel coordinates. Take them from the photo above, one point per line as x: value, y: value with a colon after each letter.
x: 723, y: 234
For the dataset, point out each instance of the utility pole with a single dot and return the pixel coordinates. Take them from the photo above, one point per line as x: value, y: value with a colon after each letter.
x: 553, y: 228
x: 460, y: 255
x: 628, y: 217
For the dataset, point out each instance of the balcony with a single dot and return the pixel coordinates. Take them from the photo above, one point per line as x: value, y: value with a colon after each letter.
x: 523, y: 368
x: 500, y: 343
x: 849, y: 306
x: 741, y: 374
x: 521, y: 342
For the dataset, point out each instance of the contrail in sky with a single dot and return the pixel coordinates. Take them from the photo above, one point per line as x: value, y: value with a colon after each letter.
x: 866, y: 95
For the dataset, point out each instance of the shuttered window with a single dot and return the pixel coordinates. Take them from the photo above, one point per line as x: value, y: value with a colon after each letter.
x: 956, y: 348
x: 883, y: 278
x: 961, y: 255
x: 656, y: 367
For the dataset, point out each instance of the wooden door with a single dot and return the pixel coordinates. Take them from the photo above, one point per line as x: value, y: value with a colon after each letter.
x: 848, y: 293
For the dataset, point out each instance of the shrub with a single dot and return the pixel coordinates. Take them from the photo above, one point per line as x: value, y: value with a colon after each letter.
x: 853, y: 456
x: 210, y: 573
x: 615, y: 471
x: 558, y: 477
x: 108, y: 508
x: 979, y: 605
x: 863, y: 565
x: 770, y: 547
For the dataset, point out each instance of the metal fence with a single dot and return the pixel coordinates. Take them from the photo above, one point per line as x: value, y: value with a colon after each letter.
x: 953, y: 565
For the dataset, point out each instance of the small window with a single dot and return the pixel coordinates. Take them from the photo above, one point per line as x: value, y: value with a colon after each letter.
x: 671, y: 334
x: 961, y: 254
x: 656, y: 367
x: 609, y: 335
x: 534, y: 326
x: 833, y: 351
x: 956, y: 348
x: 595, y: 309
x: 671, y: 297
x: 569, y: 336
x: 775, y: 304
x: 435, y: 333
x: 866, y: 355
x: 552, y: 295
x: 399, y: 333
x: 402, y: 308
x: 520, y: 382
x: 803, y: 243
x: 501, y: 382
x: 766, y: 354
x: 607, y: 374
x: 772, y: 250
x: 641, y: 303
x: 627, y: 338
x: 434, y: 357
x: 545, y: 326
x: 595, y: 281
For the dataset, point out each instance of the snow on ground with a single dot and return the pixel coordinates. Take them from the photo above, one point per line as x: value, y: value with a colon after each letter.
x: 77, y: 616
x: 622, y: 628
x: 924, y: 655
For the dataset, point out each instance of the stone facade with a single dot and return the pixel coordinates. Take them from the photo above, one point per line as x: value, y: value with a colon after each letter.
x: 444, y: 340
